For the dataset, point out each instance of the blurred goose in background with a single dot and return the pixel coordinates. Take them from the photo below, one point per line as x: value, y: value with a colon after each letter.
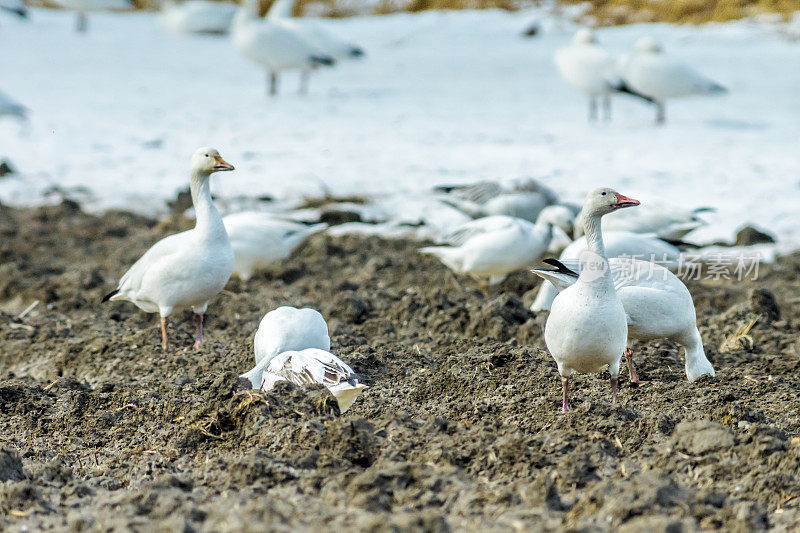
x: 281, y: 13
x: 586, y: 65
x: 82, y: 7
x: 521, y: 199
x: 11, y: 108
x: 587, y: 327
x: 259, y: 239
x: 650, y: 72
x: 186, y: 269
x: 16, y: 7
x: 657, y: 305
x: 668, y: 222
x: 197, y: 16
x: 493, y: 247
x: 275, y: 47
x: 617, y: 244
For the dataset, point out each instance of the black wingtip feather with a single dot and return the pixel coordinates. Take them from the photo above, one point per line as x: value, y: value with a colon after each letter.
x: 322, y: 60
x: 560, y: 267
x: 108, y: 296
x: 623, y: 88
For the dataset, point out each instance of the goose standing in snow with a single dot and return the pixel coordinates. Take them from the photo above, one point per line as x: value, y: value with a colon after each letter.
x: 197, y: 16
x: 523, y: 199
x: 657, y: 304
x: 186, y: 269
x: 293, y: 345
x: 668, y: 222
x: 650, y: 72
x: 259, y: 239
x: 617, y: 244
x: 587, y: 327
x: 274, y: 46
x: 82, y: 7
x: 495, y: 246
x: 12, y: 108
x: 280, y: 12
x: 586, y: 65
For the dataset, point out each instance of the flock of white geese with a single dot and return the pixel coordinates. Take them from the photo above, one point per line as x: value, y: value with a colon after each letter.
x: 603, y: 296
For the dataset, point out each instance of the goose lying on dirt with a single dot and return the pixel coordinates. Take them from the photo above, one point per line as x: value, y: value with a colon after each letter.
x: 668, y: 222
x: 522, y: 199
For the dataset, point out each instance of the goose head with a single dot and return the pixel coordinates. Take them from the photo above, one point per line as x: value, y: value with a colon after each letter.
x: 559, y: 216
x: 603, y: 201
x: 648, y: 45
x: 207, y: 161
x: 584, y: 36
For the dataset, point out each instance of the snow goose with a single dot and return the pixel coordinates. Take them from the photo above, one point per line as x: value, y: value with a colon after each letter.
x: 523, y: 199
x: 657, y: 304
x: 281, y: 13
x: 587, y: 327
x: 259, y: 239
x: 617, y: 244
x: 648, y: 71
x: 274, y: 46
x: 197, y: 16
x: 186, y: 269
x: 82, y: 7
x: 669, y: 222
x: 11, y: 108
x: 17, y: 7
x: 495, y: 246
x: 586, y: 65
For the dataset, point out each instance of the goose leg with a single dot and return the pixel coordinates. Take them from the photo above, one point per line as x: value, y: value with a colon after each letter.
x: 164, y: 333
x: 614, y: 387
x: 592, y: 109
x: 607, y: 107
x: 632, y: 374
x: 565, y: 395
x: 81, y: 22
x: 198, y: 335
x: 272, y: 81
x: 660, y: 118
x: 303, y: 88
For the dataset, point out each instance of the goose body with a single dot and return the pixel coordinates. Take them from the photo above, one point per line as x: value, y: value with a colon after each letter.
x: 259, y: 239
x: 657, y: 306
x: 187, y: 269
x: 197, y: 16
x: 587, y: 327
x: 281, y: 12
x: 286, y: 329
x: 587, y: 66
x: 651, y: 72
x: 17, y: 7
x: 666, y: 222
x: 313, y: 365
x: 495, y: 246
x: 524, y: 199
x: 11, y: 108
x: 617, y: 244
x: 82, y: 7
x: 274, y: 46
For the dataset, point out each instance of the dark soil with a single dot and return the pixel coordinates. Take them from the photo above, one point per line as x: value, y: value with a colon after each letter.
x: 460, y: 429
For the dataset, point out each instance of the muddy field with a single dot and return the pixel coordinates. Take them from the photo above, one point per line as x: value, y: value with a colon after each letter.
x: 460, y: 429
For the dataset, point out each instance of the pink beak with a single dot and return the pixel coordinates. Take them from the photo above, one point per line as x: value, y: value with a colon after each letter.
x: 624, y: 201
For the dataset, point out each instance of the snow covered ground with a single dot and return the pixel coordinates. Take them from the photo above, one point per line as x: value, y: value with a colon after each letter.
x: 442, y: 97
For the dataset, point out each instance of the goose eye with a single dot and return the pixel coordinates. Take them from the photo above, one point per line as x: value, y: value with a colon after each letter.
x: 603, y: 193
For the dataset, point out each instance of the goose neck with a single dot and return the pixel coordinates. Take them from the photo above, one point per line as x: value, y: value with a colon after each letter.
x: 596, y: 261
x: 208, y: 221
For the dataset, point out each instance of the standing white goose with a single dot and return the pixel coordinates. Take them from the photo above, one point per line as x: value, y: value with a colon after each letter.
x: 82, y: 7
x: 587, y: 327
x: 274, y: 46
x: 586, y: 65
x: 495, y: 246
x: 658, y: 306
x: 259, y: 239
x: 618, y: 244
x: 186, y: 269
x: 281, y: 12
x: 286, y: 329
x: 650, y: 72
x: 197, y: 16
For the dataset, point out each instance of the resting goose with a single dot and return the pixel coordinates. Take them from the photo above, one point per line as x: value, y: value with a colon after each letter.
x: 587, y: 327
x: 586, y: 65
x: 82, y: 7
x: 524, y: 199
x: 274, y: 46
x: 617, y: 244
x: 186, y: 269
x: 280, y: 12
x: 293, y: 345
x: 666, y: 221
x: 495, y: 246
x: 197, y: 16
x: 648, y: 71
x: 259, y: 239
x: 657, y: 304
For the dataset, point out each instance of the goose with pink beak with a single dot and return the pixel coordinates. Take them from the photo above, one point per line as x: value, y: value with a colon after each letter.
x: 587, y: 328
